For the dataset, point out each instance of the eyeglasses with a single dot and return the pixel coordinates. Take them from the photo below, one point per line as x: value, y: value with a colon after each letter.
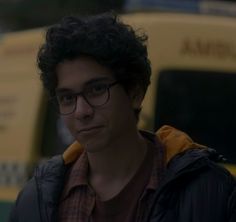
x: 95, y: 95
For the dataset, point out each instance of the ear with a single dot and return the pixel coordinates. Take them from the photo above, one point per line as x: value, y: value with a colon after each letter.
x: 136, y: 97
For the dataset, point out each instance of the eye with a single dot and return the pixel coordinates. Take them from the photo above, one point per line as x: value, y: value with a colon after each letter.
x: 96, y: 90
x: 65, y: 100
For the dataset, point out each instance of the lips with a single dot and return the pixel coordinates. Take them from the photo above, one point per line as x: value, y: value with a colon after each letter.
x: 89, y: 129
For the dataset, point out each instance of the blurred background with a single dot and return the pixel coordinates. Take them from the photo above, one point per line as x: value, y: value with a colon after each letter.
x: 192, y: 48
x: 25, y: 14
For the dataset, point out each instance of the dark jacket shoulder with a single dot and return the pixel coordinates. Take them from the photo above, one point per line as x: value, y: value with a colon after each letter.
x: 43, y: 189
x: 195, y: 189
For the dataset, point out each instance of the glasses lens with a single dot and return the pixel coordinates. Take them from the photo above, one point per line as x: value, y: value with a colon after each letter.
x: 66, y: 104
x: 97, y: 95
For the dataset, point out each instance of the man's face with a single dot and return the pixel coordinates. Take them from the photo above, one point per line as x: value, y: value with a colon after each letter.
x: 95, y: 127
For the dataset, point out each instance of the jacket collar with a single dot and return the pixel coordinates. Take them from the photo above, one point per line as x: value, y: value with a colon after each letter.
x: 174, y: 141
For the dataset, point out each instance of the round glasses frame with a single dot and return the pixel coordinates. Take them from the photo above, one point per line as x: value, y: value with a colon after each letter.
x: 82, y: 94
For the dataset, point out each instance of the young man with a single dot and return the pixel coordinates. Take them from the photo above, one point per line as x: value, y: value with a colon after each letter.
x: 97, y: 72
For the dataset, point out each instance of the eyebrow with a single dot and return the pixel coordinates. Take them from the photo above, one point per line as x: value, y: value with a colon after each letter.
x: 89, y: 82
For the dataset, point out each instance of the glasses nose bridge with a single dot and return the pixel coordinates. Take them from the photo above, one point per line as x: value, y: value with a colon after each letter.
x: 81, y: 94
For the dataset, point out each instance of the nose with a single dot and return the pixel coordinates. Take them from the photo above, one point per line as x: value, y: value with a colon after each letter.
x: 83, y: 110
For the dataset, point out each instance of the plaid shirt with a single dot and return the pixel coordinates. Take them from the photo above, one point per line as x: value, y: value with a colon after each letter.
x: 78, y: 198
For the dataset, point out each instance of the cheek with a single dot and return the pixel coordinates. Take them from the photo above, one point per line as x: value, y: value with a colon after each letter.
x: 69, y: 122
x: 122, y: 114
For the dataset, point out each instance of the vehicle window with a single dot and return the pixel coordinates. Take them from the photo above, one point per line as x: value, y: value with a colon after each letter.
x: 201, y: 103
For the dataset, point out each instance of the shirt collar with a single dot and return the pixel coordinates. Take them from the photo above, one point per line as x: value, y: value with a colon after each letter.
x: 77, y: 175
x: 158, y: 167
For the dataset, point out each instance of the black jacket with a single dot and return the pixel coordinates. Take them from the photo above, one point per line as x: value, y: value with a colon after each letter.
x: 194, y: 189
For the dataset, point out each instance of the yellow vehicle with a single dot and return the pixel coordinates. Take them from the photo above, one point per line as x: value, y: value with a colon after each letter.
x: 20, y: 111
x: 193, y: 85
x: 193, y: 88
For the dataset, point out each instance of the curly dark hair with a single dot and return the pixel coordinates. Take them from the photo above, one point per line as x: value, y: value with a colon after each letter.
x: 102, y: 37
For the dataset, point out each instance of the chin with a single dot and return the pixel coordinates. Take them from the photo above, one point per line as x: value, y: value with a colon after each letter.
x: 95, y: 146
x: 92, y: 144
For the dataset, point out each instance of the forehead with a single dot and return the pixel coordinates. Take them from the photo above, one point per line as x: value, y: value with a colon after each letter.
x: 75, y: 74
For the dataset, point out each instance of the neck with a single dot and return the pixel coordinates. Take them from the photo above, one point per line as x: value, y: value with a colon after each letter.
x: 118, y: 162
